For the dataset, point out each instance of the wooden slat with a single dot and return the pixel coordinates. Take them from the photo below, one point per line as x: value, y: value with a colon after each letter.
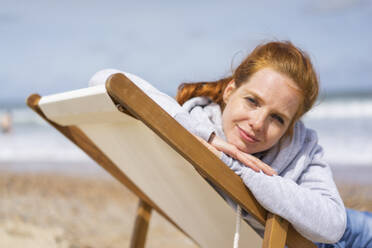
x: 294, y: 239
x: 141, y: 224
x: 75, y: 135
x: 125, y: 92
x: 275, y: 232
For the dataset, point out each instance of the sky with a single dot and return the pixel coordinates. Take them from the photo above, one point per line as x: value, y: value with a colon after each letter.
x: 51, y: 46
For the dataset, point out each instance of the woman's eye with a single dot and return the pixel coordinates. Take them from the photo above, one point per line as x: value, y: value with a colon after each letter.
x: 252, y: 100
x: 278, y: 118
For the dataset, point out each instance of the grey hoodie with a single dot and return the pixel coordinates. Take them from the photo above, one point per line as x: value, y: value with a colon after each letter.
x: 303, y: 192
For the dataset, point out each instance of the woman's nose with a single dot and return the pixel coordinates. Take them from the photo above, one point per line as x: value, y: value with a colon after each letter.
x: 258, y: 121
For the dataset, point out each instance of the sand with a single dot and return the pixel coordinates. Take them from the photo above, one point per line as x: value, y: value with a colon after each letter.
x: 56, y: 210
x: 53, y: 210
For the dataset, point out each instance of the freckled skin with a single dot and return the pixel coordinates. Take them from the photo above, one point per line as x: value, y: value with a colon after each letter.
x: 259, y: 107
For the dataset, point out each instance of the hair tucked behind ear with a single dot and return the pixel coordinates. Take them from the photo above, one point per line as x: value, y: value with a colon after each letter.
x: 214, y: 90
x: 283, y: 57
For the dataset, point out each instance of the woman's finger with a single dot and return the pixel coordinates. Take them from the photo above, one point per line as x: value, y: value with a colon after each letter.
x: 248, y: 163
x: 264, y: 165
x: 248, y: 158
x: 224, y: 146
x: 233, y: 152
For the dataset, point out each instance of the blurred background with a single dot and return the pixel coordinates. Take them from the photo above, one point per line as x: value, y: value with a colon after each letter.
x: 54, y: 46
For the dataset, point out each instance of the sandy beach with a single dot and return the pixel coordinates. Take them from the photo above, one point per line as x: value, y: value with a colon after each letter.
x: 46, y: 209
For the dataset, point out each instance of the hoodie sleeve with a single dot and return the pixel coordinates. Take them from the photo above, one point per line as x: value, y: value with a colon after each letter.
x: 312, y: 204
x: 194, y: 122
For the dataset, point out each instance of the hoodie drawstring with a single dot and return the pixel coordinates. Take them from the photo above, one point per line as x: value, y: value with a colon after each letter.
x: 237, y: 226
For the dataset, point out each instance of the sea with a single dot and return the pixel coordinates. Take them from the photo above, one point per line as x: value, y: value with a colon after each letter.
x: 343, y: 125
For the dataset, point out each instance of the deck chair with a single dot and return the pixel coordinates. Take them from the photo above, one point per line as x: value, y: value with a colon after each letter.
x: 170, y: 171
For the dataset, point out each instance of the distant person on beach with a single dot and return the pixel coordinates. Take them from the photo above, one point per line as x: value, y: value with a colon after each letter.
x: 6, y: 122
x: 252, y: 121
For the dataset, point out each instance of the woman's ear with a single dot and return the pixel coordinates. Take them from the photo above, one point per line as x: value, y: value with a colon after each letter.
x: 230, y: 88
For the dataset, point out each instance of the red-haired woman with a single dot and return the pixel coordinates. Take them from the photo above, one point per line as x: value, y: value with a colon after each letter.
x: 251, y: 121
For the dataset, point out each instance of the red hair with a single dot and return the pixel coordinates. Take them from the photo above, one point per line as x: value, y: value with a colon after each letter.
x: 283, y: 57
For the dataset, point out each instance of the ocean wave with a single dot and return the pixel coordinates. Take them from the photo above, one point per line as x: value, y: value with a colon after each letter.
x: 38, y: 144
x: 342, y: 109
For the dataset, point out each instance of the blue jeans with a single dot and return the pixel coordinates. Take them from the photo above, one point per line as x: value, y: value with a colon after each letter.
x: 358, y: 233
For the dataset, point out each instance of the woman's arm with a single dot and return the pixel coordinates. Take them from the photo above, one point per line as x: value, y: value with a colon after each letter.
x: 312, y: 204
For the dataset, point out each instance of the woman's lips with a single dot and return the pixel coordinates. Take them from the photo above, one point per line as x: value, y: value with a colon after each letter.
x: 246, y: 136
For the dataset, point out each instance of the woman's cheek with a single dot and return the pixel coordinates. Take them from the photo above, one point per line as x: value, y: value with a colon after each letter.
x: 273, y: 137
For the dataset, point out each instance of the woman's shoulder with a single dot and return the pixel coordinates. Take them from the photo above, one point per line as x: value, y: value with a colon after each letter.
x: 199, y: 101
x: 294, y: 156
x: 101, y: 76
x: 203, y: 106
x: 303, y: 141
x: 205, y: 111
x: 308, y: 144
x: 166, y: 102
x: 305, y: 135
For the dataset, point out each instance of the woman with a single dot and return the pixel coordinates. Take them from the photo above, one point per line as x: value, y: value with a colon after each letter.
x: 251, y: 120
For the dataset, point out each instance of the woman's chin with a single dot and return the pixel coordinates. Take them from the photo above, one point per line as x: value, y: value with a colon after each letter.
x: 244, y: 148
x: 238, y: 143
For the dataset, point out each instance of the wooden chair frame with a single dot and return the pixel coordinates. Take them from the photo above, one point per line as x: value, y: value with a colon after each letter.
x: 133, y: 101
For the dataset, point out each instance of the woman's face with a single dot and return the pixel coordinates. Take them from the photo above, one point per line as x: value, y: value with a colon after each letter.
x: 258, y: 113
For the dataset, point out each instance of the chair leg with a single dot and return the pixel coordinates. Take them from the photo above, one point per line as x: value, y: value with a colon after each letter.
x: 141, y: 225
x: 275, y: 232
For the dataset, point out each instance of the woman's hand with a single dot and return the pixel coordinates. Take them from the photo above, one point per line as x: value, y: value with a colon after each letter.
x: 247, y: 159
